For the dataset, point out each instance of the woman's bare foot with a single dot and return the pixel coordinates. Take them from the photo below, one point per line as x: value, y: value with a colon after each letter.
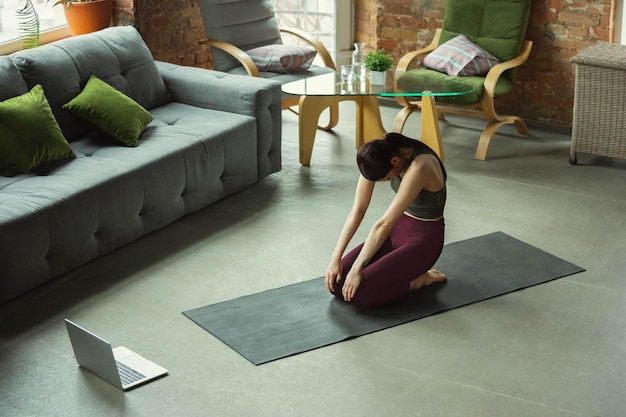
x: 427, y: 278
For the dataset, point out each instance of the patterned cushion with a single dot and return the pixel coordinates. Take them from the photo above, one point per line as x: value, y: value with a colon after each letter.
x: 460, y: 57
x: 282, y: 58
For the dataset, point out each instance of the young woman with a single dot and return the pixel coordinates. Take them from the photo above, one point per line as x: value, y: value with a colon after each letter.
x: 406, y: 241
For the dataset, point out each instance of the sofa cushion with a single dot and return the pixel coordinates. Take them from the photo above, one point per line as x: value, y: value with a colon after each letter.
x: 116, y: 55
x: 282, y: 58
x: 425, y: 79
x: 29, y: 134
x: 11, y: 82
x: 112, y: 111
x: 460, y: 57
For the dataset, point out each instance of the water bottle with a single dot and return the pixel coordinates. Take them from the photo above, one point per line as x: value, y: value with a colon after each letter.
x: 358, y: 62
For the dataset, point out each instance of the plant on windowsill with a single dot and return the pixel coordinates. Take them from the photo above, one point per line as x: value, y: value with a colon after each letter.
x: 28, y: 25
x: 86, y: 16
x: 378, y: 63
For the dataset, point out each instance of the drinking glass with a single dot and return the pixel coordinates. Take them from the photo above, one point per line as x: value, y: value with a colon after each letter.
x: 347, y: 77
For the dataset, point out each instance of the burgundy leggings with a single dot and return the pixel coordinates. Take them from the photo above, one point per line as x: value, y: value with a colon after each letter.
x: 412, y: 248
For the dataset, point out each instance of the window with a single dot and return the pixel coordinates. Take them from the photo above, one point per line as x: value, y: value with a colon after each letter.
x: 51, y: 23
x: 329, y: 20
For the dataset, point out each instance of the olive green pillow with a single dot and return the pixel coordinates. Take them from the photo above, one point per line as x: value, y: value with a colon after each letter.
x: 29, y: 134
x: 112, y: 111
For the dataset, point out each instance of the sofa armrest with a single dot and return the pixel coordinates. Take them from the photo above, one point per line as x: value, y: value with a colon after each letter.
x: 250, y: 96
x: 217, y: 90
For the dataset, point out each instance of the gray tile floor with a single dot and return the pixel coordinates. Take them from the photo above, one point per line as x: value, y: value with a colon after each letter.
x: 558, y: 349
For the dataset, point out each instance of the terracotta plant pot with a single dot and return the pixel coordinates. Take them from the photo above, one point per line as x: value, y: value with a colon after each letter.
x: 87, y: 17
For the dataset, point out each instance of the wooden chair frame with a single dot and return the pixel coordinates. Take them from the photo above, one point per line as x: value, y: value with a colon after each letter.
x: 485, y: 109
x: 288, y: 102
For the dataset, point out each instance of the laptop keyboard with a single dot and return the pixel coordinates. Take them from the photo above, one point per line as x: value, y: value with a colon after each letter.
x: 127, y: 374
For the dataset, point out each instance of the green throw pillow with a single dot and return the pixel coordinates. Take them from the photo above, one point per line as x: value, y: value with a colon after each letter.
x: 112, y: 111
x: 29, y: 134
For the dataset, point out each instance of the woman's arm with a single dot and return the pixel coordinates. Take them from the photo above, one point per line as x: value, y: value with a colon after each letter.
x: 362, y: 198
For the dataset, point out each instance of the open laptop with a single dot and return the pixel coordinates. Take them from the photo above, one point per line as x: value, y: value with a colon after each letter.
x: 120, y: 366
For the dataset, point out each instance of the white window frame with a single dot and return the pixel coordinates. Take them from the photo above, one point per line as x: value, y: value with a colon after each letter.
x: 47, y: 36
x: 344, y: 31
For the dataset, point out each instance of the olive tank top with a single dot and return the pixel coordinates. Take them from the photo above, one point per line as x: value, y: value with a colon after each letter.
x: 427, y: 204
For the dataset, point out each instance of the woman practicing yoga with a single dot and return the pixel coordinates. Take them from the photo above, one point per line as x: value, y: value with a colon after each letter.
x: 406, y: 241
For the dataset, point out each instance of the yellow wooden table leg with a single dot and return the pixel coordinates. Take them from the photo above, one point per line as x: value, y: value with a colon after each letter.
x: 431, y: 134
x: 310, y: 109
x: 368, y: 120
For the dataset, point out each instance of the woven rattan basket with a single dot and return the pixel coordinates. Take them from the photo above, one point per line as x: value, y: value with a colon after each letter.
x: 599, y: 123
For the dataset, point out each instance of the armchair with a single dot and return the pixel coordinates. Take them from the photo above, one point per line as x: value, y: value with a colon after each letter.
x: 497, y: 26
x: 234, y: 27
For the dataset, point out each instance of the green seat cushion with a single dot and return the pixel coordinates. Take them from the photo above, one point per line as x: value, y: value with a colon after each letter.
x: 430, y: 80
x: 29, y: 134
x: 110, y: 110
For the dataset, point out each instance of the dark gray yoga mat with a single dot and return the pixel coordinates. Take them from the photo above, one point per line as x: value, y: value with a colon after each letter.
x: 300, y: 317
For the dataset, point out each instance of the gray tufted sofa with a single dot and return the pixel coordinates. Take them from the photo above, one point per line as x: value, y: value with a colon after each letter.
x: 213, y: 134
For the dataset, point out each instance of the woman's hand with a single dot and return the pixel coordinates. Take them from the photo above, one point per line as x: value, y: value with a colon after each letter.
x: 353, y: 280
x: 333, y: 274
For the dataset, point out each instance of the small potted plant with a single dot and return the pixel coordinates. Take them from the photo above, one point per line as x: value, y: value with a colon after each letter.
x: 378, y: 62
x: 85, y: 16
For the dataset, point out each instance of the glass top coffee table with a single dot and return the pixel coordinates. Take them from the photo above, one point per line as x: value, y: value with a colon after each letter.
x: 322, y: 91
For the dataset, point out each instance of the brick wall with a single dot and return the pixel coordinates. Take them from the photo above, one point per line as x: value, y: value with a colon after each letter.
x: 170, y: 28
x: 544, y: 90
x: 124, y: 12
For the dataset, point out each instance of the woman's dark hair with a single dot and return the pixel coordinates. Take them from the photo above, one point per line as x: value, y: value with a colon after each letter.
x: 374, y: 157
